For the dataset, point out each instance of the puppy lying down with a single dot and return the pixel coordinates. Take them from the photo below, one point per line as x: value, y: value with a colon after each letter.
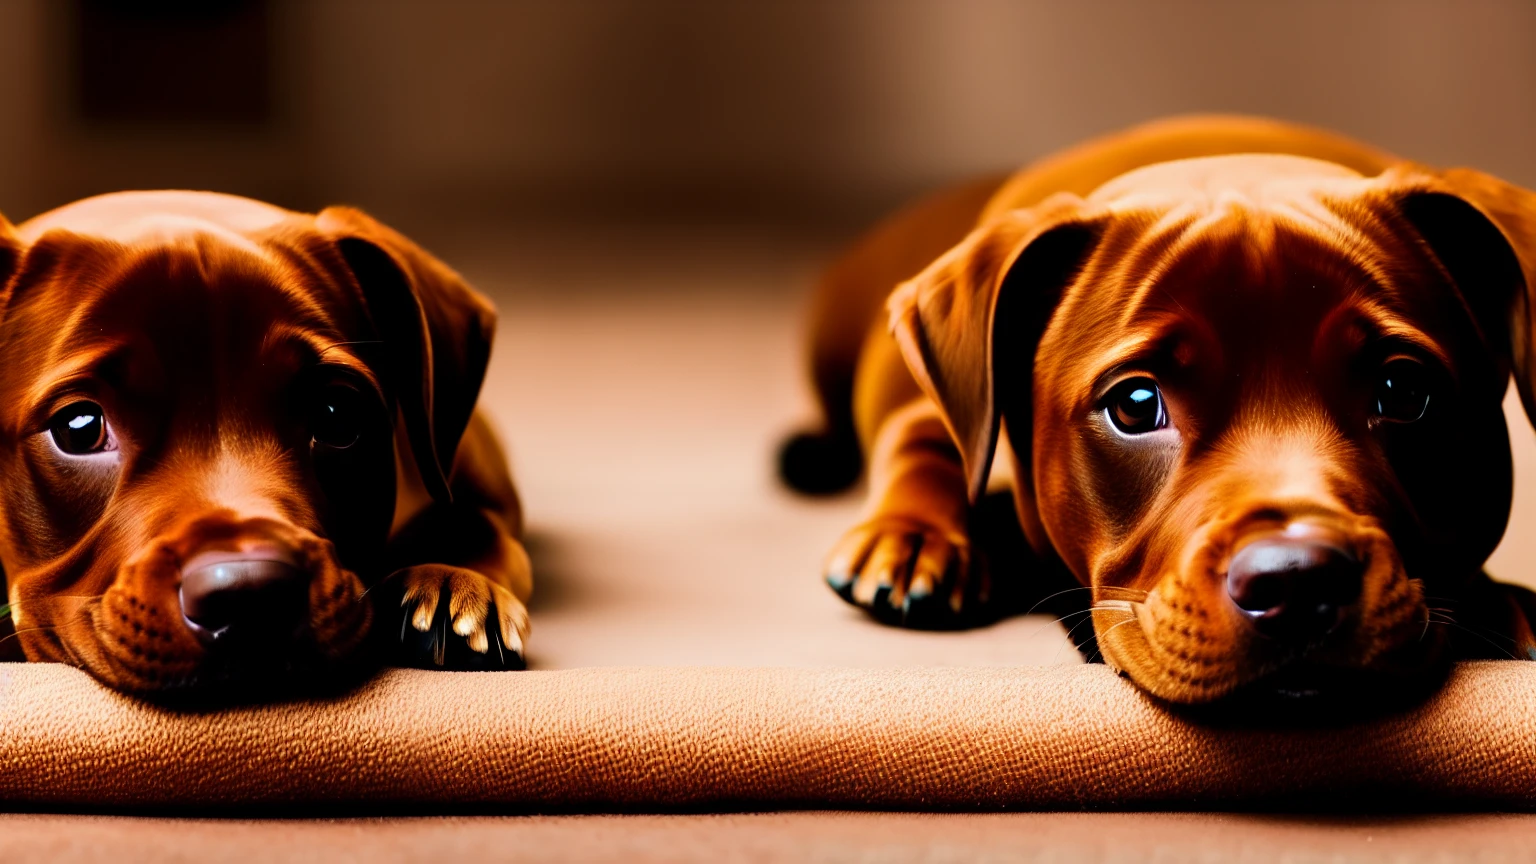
x: 1248, y: 377
x: 236, y: 440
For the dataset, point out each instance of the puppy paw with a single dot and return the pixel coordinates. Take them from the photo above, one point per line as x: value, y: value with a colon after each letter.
x: 457, y: 619
x: 907, y: 572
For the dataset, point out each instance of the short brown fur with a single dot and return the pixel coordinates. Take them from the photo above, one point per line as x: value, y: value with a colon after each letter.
x: 1251, y: 267
x: 199, y: 322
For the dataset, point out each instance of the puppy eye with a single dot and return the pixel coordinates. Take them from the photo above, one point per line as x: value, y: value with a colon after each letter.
x: 1402, y: 391
x: 80, y: 429
x: 1135, y: 406
x: 336, y: 418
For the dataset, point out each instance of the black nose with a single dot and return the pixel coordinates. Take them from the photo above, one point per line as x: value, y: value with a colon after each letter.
x: 244, y: 600
x: 1293, y: 589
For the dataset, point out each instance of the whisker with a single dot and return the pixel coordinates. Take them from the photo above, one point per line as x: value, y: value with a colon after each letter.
x: 1112, y: 605
x: 1098, y: 651
x: 1435, y: 615
x: 1056, y: 658
x: 1047, y: 628
x: 1063, y: 618
x: 1114, y: 592
x: 38, y: 629
x: 1049, y: 597
x: 1117, y: 606
x: 1492, y: 643
x: 1447, y: 619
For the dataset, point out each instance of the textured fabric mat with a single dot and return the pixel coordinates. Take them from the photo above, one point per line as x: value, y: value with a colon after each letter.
x: 1054, y: 737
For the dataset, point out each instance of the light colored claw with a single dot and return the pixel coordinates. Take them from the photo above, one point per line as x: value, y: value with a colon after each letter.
x: 477, y: 640
x: 468, y: 596
x: 426, y: 609
x: 512, y: 616
x: 468, y: 602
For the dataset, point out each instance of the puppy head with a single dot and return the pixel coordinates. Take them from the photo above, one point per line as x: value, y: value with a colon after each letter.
x: 1255, y: 402
x: 198, y: 430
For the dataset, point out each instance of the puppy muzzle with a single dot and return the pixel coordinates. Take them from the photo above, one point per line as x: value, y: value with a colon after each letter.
x: 1251, y: 598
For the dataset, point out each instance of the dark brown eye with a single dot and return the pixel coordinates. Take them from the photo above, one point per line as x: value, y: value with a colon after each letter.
x: 1402, y: 390
x: 336, y: 418
x: 80, y: 429
x: 1135, y: 406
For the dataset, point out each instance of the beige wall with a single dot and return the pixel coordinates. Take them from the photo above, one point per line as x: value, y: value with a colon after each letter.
x: 787, y: 109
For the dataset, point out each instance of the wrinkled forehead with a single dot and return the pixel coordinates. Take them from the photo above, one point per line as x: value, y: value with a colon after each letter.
x: 1224, y: 280
x: 187, y: 303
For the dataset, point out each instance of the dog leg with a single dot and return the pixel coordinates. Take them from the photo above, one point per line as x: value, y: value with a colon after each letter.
x: 909, y: 561
x: 463, y: 605
x: 457, y: 597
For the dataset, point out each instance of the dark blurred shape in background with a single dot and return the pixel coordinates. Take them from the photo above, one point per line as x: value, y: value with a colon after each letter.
x: 810, y: 113
x: 172, y: 62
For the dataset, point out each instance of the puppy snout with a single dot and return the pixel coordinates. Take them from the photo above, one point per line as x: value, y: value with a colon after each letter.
x: 239, y: 598
x: 1293, y: 588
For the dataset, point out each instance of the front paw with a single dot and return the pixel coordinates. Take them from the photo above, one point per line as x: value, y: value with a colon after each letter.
x: 908, y: 572
x: 457, y: 619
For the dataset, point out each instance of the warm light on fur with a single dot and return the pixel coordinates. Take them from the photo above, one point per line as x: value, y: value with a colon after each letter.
x: 1261, y: 278
x: 200, y: 324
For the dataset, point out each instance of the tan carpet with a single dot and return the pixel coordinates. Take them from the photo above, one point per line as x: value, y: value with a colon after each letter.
x: 662, y: 738
x: 643, y: 384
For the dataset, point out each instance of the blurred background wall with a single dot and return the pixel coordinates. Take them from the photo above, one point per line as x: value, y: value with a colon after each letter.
x: 791, y: 112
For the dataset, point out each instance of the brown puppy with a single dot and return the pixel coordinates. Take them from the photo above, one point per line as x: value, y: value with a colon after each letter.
x: 223, y: 424
x: 1248, y: 377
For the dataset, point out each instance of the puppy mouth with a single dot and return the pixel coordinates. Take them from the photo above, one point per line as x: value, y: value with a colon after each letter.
x: 1326, y: 677
x: 1206, y: 635
x: 233, y: 616
x: 1307, y: 694
x: 223, y: 671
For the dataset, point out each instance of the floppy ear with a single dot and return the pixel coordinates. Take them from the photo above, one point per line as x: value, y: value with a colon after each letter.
x: 950, y: 319
x: 1483, y: 232
x: 436, y: 331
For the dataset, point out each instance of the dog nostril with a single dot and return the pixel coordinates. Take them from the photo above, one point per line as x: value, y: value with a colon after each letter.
x: 237, y: 599
x: 1293, y: 588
